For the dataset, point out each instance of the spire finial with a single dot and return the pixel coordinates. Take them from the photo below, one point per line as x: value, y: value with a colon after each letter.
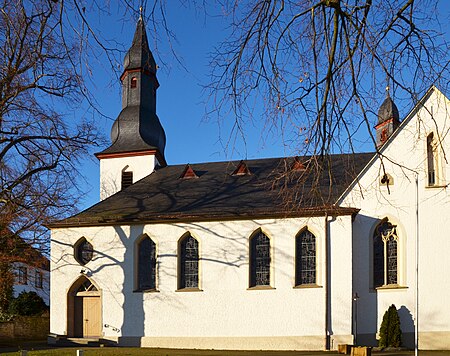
x: 387, y: 86
x: 140, y: 12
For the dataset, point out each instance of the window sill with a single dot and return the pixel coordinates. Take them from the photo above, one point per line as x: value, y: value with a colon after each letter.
x: 436, y: 186
x: 307, y: 286
x: 189, y: 290
x: 261, y: 288
x: 390, y: 287
x: 153, y: 290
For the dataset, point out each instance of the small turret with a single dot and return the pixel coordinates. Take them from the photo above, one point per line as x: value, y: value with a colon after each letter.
x: 388, y: 120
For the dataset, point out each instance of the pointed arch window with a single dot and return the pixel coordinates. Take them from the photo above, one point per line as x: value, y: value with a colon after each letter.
x: 305, y: 258
x: 259, y: 260
x: 146, y: 264
x: 431, y: 159
x: 188, y: 263
x: 385, y: 254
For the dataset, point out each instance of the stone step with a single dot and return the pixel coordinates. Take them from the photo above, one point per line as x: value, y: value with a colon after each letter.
x: 79, y: 341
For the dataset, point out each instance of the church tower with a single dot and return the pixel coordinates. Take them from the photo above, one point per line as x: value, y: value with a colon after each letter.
x: 138, y: 139
x: 388, y: 120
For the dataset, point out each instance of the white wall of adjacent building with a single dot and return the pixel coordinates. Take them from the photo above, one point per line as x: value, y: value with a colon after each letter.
x: 32, y: 283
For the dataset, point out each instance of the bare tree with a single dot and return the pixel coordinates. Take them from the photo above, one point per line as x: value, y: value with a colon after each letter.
x: 40, y: 83
x: 46, y: 50
x: 320, y: 67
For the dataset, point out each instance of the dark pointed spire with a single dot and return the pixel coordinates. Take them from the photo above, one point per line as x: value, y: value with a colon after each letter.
x: 388, y: 120
x: 139, y: 55
x: 137, y: 128
x: 388, y: 110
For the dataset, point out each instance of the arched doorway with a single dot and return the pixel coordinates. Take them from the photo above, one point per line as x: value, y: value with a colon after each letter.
x: 84, y: 308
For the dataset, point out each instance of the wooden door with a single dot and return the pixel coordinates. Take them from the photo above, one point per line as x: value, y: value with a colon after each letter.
x: 92, y: 324
x: 84, y: 309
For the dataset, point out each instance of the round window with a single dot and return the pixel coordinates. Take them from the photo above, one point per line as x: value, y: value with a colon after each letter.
x: 83, y: 251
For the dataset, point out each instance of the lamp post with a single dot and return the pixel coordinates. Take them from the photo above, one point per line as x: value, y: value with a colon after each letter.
x: 355, y: 300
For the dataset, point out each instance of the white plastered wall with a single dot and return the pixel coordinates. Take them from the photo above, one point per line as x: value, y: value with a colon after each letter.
x: 404, y: 156
x: 111, y: 171
x: 225, y: 314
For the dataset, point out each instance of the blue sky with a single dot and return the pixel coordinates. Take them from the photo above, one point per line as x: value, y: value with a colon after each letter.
x: 180, y: 98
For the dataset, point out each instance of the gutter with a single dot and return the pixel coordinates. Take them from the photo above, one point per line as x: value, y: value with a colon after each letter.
x: 183, y: 217
x: 326, y: 287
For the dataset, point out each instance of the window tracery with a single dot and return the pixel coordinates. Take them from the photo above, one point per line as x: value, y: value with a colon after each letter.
x: 259, y: 260
x: 385, y: 254
x: 84, y: 251
x: 431, y: 160
x: 305, y: 272
x: 189, y: 257
x: 146, y: 278
x: 86, y: 286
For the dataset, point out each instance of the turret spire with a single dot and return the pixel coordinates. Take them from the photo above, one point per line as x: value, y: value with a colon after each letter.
x: 388, y: 119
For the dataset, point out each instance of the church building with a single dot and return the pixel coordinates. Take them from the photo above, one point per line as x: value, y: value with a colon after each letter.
x: 298, y: 253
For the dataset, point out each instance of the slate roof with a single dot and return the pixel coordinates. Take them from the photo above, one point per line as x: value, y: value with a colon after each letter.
x: 136, y: 128
x: 139, y: 55
x: 216, y: 194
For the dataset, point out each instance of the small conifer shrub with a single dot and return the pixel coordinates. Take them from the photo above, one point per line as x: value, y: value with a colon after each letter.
x: 390, y: 331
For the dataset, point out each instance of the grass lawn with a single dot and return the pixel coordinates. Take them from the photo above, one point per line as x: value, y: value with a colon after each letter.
x: 40, y: 348
x: 110, y: 351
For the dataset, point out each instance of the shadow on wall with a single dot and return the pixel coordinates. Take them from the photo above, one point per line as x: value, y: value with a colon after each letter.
x: 366, y: 321
x: 407, y: 327
x: 365, y: 308
x: 132, y: 329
